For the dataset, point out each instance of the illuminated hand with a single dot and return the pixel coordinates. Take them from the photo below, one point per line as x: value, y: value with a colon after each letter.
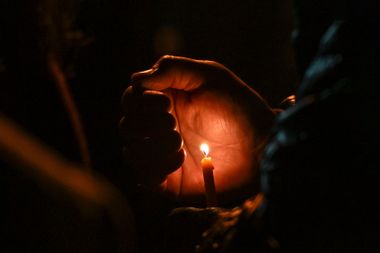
x: 207, y: 104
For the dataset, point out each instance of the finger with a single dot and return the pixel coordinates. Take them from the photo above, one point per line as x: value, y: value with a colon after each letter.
x: 174, y: 161
x: 147, y: 102
x: 142, y: 125
x: 159, y: 170
x: 174, y: 72
x: 154, y: 172
x: 152, y: 148
x: 163, y: 165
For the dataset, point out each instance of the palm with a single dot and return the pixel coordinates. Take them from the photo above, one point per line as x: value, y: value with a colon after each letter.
x: 206, y: 117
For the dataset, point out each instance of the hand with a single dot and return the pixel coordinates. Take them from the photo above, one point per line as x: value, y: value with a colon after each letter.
x: 207, y: 104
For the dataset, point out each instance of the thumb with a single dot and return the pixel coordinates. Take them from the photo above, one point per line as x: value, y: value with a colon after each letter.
x: 173, y: 72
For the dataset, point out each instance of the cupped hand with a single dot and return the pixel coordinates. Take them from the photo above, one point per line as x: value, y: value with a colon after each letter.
x: 171, y: 109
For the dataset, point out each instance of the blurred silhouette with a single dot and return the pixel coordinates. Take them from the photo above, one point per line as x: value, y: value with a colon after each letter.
x: 53, y: 205
x: 50, y: 203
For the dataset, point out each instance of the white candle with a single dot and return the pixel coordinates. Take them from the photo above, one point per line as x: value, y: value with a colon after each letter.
x: 208, y: 177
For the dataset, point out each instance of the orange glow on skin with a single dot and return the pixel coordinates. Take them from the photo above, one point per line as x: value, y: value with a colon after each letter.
x: 228, y: 132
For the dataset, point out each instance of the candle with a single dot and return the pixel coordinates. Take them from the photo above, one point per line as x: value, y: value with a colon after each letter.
x: 208, y: 176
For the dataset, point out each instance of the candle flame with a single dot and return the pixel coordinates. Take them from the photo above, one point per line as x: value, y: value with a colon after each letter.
x: 205, y: 149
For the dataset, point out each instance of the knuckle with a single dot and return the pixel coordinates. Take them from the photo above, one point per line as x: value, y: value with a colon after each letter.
x: 128, y: 98
x: 164, y: 62
x: 170, y: 121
